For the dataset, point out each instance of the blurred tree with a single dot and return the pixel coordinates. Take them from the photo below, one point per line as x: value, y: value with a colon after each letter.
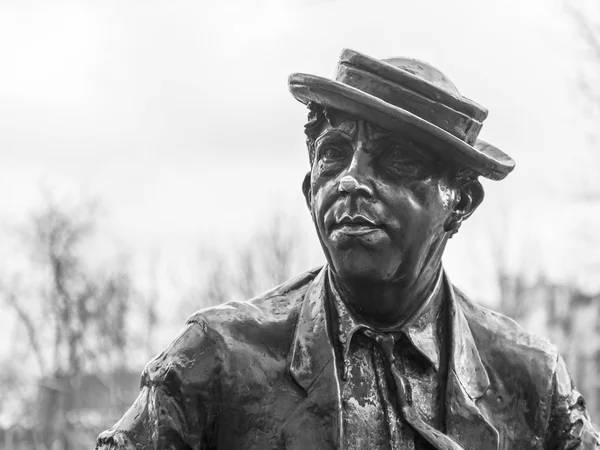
x: 152, y: 305
x: 268, y: 258
x: 83, y: 308
x: 585, y: 16
x: 248, y: 281
x: 277, y: 246
x: 217, y: 284
x: 147, y: 303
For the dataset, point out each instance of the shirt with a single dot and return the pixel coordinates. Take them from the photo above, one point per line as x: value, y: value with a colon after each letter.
x: 370, y: 415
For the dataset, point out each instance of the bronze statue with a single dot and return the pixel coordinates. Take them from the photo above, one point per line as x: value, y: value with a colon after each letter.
x: 377, y: 349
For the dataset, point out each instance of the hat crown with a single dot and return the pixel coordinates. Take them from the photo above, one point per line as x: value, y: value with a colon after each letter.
x: 409, y: 74
x: 424, y: 71
x: 410, y: 97
x: 416, y: 87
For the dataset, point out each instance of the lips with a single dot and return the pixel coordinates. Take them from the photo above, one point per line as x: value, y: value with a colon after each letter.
x: 355, y: 225
x: 357, y: 220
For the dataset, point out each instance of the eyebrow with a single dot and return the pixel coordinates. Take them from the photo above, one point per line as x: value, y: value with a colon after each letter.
x: 411, y: 148
x: 383, y: 141
x: 331, y: 136
x: 376, y: 133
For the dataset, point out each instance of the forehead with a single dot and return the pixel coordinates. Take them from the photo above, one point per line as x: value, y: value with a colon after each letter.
x: 348, y: 126
x: 342, y: 127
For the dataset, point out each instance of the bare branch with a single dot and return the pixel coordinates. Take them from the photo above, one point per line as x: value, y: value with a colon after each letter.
x: 586, y: 28
x: 586, y: 18
x: 278, y: 245
x: 248, y: 282
x: 12, y: 300
x: 590, y: 91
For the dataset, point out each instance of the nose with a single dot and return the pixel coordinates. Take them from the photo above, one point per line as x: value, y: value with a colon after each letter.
x: 350, y: 185
x: 356, y: 179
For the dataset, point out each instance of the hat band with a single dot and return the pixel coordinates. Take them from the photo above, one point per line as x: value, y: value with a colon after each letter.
x: 454, y: 122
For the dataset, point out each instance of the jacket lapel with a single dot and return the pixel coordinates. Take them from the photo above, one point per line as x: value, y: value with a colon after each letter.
x: 467, y: 383
x: 313, y: 367
x: 316, y: 422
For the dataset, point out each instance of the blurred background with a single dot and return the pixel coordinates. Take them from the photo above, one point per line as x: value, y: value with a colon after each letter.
x: 151, y: 160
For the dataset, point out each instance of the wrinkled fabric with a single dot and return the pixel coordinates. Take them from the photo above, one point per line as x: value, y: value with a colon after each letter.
x: 370, y: 414
x: 262, y: 374
x: 422, y: 329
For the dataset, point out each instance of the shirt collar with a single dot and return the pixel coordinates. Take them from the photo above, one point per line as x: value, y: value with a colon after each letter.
x: 421, y: 330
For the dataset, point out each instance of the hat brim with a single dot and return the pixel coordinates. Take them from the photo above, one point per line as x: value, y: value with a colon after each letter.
x: 483, y: 158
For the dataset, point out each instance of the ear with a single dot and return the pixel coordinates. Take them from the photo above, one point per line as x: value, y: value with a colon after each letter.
x: 471, y: 195
x: 307, y: 191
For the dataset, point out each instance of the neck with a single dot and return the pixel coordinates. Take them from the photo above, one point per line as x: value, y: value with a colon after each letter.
x: 388, y: 305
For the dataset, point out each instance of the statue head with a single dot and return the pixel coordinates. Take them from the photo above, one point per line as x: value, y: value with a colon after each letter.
x: 395, y: 162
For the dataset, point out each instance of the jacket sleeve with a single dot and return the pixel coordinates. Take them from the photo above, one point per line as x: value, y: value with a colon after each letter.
x: 177, y: 404
x: 570, y: 426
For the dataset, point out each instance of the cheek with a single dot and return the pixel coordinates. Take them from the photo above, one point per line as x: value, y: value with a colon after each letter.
x: 321, y: 199
x: 322, y: 183
x: 446, y: 194
x: 434, y: 194
x: 429, y: 201
x: 322, y: 171
x: 419, y: 198
x: 440, y: 203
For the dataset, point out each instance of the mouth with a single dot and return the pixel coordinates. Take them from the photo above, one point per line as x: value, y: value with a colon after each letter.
x: 356, y: 225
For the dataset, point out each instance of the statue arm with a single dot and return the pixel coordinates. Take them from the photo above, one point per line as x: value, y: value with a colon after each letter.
x: 570, y: 426
x: 175, y: 407
x: 143, y: 422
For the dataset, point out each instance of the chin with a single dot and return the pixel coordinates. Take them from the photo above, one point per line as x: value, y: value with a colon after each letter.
x: 362, y: 266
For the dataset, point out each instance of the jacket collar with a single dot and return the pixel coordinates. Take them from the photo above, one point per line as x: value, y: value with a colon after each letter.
x: 312, y: 365
x: 421, y: 329
x: 467, y: 383
x: 312, y: 349
x: 465, y: 361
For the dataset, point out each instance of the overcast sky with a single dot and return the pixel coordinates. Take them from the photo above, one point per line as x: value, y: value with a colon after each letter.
x: 177, y: 115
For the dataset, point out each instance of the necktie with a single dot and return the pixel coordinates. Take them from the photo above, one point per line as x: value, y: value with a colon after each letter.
x: 385, y: 352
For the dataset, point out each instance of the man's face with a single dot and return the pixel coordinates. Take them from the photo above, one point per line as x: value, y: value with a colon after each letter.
x: 379, y: 204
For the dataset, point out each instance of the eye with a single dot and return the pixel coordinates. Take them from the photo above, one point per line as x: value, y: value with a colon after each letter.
x: 331, y: 153
x: 402, y: 163
x: 407, y: 169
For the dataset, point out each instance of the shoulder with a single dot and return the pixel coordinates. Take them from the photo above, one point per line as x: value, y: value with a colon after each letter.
x: 274, y: 305
x: 211, y: 333
x: 505, y: 346
x: 529, y: 368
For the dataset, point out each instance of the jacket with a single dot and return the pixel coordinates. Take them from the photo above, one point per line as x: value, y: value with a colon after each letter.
x: 262, y: 374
